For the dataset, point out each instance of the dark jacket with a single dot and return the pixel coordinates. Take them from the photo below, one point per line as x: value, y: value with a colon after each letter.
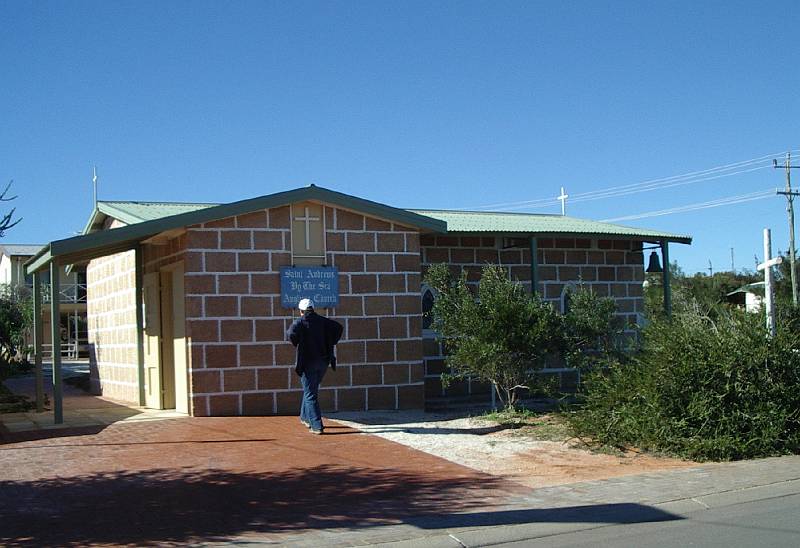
x: 314, y: 336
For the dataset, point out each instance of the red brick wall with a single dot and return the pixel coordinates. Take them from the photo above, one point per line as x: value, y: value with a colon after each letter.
x: 240, y: 362
x: 611, y: 268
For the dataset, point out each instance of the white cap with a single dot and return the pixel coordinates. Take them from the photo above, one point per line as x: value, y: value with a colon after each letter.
x: 305, y: 304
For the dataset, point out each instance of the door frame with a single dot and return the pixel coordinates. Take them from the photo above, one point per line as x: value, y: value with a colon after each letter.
x: 165, y: 344
x: 174, y: 351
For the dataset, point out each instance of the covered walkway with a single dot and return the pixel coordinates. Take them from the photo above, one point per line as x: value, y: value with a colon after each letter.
x: 83, y: 409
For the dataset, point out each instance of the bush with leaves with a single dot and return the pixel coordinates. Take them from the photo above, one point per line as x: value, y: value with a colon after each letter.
x: 591, y: 330
x: 708, y: 293
x: 788, y: 317
x: 502, y: 337
x: 16, y: 317
x: 704, y: 388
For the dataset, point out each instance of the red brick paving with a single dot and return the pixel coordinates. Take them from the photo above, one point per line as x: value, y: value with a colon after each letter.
x: 72, y: 397
x: 182, y: 480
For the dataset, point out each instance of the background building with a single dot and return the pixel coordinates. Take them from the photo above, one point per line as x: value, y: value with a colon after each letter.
x: 72, y: 297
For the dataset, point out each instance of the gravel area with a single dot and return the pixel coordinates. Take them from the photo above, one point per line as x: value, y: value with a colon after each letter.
x: 483, y: 445
x: 465, y: 440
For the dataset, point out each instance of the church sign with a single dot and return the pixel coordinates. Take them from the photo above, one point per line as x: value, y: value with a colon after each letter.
x: 318, y: 283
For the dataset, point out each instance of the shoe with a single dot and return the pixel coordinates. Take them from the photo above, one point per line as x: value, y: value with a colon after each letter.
x: 305, y: 423
x: 315, y: 431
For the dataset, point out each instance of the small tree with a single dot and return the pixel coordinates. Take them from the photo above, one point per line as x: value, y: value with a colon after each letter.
x: 503, y: 337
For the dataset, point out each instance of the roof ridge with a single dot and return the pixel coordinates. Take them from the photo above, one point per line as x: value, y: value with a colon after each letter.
x: 149, y: 202
x: 520, y: 213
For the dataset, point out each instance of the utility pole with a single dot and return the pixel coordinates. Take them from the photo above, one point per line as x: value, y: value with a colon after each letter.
x: 710, y: 269
x: 733, y: 268
x: 790, y: 210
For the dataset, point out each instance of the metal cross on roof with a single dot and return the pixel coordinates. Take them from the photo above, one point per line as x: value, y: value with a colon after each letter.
x: 563, y: 199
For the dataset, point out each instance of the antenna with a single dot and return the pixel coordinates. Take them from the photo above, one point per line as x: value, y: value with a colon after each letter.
x: 94, y: 184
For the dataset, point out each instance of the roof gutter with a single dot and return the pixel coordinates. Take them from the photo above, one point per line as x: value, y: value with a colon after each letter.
x: 39, y: 261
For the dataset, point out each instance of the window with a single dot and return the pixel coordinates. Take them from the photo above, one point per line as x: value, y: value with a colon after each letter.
x: 308, y: 234
x: 428, y: 297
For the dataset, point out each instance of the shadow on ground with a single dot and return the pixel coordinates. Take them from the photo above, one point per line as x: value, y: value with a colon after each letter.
x: 34, y: 435
x: 162, y: 506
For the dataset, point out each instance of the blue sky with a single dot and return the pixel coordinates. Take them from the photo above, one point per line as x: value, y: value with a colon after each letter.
x: 413, y: 104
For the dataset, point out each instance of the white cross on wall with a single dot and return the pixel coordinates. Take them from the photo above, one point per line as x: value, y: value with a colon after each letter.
x: 563, y: 199
x: 307, y: 220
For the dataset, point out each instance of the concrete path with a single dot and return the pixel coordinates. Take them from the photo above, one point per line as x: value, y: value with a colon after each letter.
x: 80, y: 409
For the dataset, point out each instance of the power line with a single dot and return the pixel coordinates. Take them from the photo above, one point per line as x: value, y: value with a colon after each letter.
x: 632, y: 189
x: 730, y: 200
x: 726, y: 170
x: 677, y: 183
x: 616, y: 194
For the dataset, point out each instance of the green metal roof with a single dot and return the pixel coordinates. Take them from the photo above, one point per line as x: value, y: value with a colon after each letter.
x: 457, y: 221
x: 137, y: 212
x: 97, y: 243
x: 146, y: 219
x: 540, y: 225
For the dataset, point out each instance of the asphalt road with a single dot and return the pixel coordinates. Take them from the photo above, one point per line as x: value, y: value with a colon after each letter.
x: 773, y: 522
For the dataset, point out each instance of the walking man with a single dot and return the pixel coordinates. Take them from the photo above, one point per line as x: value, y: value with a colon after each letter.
x: 314, y: 336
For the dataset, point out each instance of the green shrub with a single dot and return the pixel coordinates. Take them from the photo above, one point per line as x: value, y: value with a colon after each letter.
x: 705, y: 389
x: 789, y: 317
x: 16, y: 317
x: 503, y: 337
x: 591, y: 330
x: 506, y: 335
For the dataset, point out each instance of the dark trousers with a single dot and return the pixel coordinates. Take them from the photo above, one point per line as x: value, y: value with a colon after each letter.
x: 309, y: 407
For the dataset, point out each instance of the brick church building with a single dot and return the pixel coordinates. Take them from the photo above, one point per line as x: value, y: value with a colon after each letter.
x: 188, y: 304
